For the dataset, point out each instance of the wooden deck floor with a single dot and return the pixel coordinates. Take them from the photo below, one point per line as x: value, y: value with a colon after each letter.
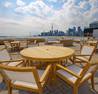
x: 60, y: 88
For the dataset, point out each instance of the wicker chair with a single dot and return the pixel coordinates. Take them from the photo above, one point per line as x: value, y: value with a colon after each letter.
x: 8, y: 46
x: 23, y: 44
x: 25, y: 78
x: 6, y: 58
x: 85, y: 55
x: 75, y: 76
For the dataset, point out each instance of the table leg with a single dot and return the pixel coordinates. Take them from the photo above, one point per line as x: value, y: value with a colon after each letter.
x: 52, y: 76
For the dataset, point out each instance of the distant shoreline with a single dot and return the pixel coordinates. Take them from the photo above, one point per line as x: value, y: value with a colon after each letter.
x: 46, y: 37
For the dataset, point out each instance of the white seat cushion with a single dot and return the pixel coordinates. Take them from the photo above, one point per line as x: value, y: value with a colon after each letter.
x: 28, y: 84
x: 75, y: 69
x: 25, y: 84
x: 14, y: 63
x: 40, y: 72
x: 4, y: 55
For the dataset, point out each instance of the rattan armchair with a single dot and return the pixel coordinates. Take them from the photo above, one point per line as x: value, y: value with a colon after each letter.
x: 25, y: 78
x: 23, y: 44
x: 86, y: 54
x: 75, y: 76
x: 8, y: 46
x: 6, y: 58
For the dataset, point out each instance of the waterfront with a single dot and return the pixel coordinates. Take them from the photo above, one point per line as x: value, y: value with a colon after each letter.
x: 46, y: 37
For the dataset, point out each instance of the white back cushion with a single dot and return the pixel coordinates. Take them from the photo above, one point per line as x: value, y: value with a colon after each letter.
x: 87, y: 50
x: 4, y: 55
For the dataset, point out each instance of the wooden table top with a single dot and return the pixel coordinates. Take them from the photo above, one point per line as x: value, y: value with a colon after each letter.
x: 47, y: 53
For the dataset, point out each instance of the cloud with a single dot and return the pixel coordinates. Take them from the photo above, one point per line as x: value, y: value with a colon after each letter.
x: 20, y: 3
x: 24, y: 26
x: 12, y: 27
x: 74, y: 15
x: 8, y: 4
x: 94, y: 3
x: 38, y: 8
x: 83, y: 4
x: 53, y: 1
x: 56, y: 1
x: 38, y: 16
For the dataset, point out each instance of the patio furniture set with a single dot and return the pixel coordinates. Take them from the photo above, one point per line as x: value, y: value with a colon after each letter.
x: 22, y: 74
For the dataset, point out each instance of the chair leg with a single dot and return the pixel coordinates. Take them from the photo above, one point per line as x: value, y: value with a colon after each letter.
x: 9, y: 90
x: 92, y: 82
x: 75, y: 90
x: 41, y: 92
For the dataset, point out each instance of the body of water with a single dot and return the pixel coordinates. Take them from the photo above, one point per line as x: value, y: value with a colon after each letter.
x: 46, y: 37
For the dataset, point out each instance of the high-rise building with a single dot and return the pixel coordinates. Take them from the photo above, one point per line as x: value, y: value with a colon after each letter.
x: 94, y: 25
x: 92, y: 30
x: 80, y: 33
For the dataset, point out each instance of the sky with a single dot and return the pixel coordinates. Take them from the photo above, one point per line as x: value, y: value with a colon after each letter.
x: 25, y: 17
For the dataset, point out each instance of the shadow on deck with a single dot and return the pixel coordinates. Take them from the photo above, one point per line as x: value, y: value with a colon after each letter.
x: 60, y: 88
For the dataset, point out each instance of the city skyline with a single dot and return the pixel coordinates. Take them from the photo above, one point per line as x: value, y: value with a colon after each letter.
x: 22, y: 17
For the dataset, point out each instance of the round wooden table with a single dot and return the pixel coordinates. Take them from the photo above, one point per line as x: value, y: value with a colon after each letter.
x: 47, y: 53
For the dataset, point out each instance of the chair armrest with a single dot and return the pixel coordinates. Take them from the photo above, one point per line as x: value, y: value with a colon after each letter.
x: 92, y: 64
x: 81, y: 55
x: 14, y: 53
x: 69, y: 71
x: 84, y: 60
x: 45, y: 74
x: 11, y: 60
